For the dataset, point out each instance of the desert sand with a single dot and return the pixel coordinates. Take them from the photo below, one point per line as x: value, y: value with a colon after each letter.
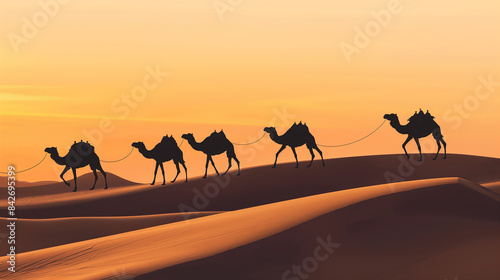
x: 441, y: 222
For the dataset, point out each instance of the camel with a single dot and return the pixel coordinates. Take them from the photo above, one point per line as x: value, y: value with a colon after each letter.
x: 80, y: 155
x: 296, y: 136
x: 420, y: 125
x: 164, y: 151
x: 215, y: 144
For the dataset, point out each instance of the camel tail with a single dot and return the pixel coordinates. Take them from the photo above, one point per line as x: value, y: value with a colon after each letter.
x: 437, y: 133
x: 181, y: 156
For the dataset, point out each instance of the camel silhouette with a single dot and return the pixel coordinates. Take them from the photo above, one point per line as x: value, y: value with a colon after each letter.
x: 295, y: 136
x: 80, y: 155
x: 420, y: 125
x: 164, y: 151
x: 215, y: 144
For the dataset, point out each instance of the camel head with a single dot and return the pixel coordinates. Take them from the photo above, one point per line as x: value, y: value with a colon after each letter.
x: 270, y: 129
x: 391, y: 117
x: 51, y: 150
x: 138, y: 145
x: 188, y: 136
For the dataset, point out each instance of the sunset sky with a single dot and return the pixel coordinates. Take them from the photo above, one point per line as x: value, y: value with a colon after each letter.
x: 75, y: 71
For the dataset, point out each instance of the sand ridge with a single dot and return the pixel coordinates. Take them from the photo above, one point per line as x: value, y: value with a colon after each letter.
x: 168, y: 245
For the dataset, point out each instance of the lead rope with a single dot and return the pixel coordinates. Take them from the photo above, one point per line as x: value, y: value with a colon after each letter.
x: 111, y: 161
x: 346, y: 144
x: 119, y: 159
x: 28, y: 168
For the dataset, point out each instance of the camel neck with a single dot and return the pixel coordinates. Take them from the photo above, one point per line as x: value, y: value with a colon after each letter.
x: 145, y: 152
x: 195, y: 145
x: 275, y: 137
x: 58, y: 159
x: 399, y: 128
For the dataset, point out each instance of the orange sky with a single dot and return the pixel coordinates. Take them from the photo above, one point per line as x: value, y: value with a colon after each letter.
x: 88, y: 58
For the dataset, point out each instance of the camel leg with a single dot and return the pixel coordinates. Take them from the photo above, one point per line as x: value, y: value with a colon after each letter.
x: 280, y: 150
x: 419, y: 149
x: 206, y: 166
x: 163, y: 172
x: 156, y: 170
x: 74, y: 176
x: 95, y: 178
x: 295, y: 155
x: 213, y: 164
x: 312, y: 156
x: 232, y: 155
x: 185, y: 171
x: 439, y: 138
x: 312, y: 145
x: 237, y: 162
x: 62, y: 175
x: 444, y: 146
x: 178, y: 171
x: 229, y: 164
x: 404, y: 145
x: 439, y: 148
x: 103, y: 174
x: 321, y: 154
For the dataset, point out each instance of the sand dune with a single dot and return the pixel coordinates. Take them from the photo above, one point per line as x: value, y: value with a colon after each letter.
x: 384, y: 231
x: 426, y: 233
x: 494, y: 186
x: 272, y: 218
x: 35, y: 234
x: 256, y: 186
x: 3, y: 183
x: 85, y: 182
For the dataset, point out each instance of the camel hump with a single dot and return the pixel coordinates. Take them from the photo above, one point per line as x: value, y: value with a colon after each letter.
x: 82, y: 148
x: 297, y: 131
x: 217, y: 135
x: 168, y: 141
x: 421, y: 117
x: 298, y: 128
